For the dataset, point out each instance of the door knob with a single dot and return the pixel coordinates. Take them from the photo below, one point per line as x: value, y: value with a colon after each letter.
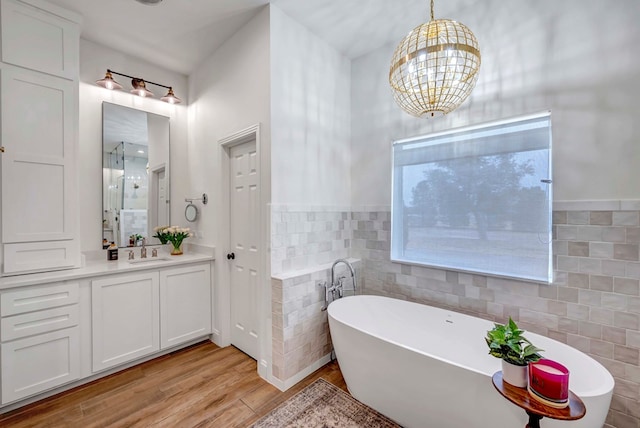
x: 231, y: 256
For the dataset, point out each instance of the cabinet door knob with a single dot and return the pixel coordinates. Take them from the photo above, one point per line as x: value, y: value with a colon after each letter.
x: 231, y: 256
x: 1, y: 149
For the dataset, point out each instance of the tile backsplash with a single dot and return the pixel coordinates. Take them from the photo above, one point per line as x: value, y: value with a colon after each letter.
x: 593, y: 303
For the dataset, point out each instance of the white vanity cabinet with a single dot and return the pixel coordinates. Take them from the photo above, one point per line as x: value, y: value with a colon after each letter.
x: 38, y: 133
x: 59, y: 333
x: 185, y: 304
x: 125, y: 312
x: 136, y: 315
x: 39, y: 339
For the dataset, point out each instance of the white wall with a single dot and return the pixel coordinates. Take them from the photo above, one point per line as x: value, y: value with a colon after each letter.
x: 578, y: 61
x: 94, y: 61
x: 229, y: 92
x: 310, y: 117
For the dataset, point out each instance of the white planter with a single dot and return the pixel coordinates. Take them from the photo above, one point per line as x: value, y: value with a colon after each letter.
x: 515, y: 375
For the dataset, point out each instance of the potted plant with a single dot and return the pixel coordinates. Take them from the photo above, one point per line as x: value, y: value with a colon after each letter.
x: 507, y: 343
x: 161, y: 234
x: 175, y: 235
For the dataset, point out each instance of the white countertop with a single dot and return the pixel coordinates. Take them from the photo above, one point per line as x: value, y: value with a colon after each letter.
x: 97, y: 267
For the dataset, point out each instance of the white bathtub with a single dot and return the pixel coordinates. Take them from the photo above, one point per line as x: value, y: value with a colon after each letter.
x: 426, y: 367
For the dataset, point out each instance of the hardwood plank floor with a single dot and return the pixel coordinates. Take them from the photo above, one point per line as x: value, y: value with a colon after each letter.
x: 200, y: 386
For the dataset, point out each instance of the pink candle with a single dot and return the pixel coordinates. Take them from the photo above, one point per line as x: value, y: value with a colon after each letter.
x: 549, y: 380
x: 549, y: 369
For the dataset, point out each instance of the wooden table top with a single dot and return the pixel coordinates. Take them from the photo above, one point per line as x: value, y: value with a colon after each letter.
x: 521, y: 397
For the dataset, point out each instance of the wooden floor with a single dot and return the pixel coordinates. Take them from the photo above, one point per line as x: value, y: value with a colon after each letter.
x: 201, y: 386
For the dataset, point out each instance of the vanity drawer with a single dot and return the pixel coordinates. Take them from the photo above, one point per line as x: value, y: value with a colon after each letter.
x: 35, y: 364
x: 20, y: 301
x: 32, y: 323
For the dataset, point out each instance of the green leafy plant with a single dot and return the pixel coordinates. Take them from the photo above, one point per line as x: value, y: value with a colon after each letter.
x: 508, y: 343
x: 161, y: 234
x: 173, y: 234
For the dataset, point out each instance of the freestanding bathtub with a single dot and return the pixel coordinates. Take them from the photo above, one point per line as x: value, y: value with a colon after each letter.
x: 426, y: 367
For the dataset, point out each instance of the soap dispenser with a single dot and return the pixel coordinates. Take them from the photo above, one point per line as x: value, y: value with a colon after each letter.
x: 112, y: 252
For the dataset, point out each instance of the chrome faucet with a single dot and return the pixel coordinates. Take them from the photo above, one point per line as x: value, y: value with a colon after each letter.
x: 335, y: 290
x: 143, y: 250
x: 337, y: 284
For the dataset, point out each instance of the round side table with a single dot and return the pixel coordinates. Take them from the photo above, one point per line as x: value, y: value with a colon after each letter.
x: 535, y: 409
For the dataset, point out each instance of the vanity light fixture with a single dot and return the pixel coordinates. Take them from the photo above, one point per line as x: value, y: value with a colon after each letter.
x: 171, y: 97
x: 434, y: 68
x: 139, y: 87
x: 108, y: 82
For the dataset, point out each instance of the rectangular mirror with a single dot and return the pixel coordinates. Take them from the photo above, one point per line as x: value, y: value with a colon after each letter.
x: 135, y: 175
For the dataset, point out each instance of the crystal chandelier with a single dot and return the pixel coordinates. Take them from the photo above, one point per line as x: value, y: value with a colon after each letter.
x: 434, y: 68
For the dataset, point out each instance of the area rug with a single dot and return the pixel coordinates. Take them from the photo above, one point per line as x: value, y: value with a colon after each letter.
x: 323, y: 405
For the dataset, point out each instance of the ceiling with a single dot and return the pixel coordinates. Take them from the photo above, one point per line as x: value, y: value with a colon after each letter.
x: 179, y: 34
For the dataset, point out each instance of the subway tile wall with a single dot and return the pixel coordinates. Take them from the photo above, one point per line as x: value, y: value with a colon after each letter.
x: 593, y: 304
x: 300, y: 329
x: 304, y: 243
x: 308, y: 237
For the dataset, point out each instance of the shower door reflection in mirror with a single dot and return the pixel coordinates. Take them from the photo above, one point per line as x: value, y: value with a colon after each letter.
x: 135, y: 175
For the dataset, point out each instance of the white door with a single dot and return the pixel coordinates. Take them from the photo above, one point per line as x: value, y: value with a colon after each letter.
x: 158, y: 200
x: 243, y: 257
x: 163, y: 203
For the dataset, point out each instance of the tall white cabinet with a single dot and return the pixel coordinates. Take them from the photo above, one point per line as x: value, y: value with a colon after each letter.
x: 38, y: 136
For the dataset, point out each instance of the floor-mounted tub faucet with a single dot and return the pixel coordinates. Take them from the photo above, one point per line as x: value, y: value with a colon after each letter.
x: 337, y: 283
x: 335, y: 290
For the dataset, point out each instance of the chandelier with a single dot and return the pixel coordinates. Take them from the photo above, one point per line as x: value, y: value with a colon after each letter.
x: 434, y: 68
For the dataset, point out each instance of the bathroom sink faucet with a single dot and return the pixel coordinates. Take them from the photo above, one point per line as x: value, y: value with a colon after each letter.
x: 143, y: 250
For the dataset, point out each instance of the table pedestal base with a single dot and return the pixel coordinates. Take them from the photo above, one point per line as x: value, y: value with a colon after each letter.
x: 534, y: 420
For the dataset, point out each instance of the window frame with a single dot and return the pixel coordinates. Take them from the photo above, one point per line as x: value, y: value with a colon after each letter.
x: 398, y: 242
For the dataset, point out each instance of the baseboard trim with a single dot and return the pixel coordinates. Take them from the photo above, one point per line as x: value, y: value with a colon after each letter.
x: 286, y: 384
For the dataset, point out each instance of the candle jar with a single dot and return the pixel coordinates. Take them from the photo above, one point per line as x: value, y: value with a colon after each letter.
x: 549, y: 383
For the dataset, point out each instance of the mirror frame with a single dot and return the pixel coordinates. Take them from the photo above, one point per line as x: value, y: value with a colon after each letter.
x: 191, y: 214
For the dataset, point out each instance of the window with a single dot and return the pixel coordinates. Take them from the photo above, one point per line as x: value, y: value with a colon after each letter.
x: 476, y: 199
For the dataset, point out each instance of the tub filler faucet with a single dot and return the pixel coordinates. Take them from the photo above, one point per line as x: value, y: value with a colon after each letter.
x: 335, y: 290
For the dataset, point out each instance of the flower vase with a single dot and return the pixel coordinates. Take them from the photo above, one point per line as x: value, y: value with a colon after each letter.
x: 176, y: 250
x: 515, y: 375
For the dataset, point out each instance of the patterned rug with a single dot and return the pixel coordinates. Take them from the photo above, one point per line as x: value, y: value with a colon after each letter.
x: 323, y: 405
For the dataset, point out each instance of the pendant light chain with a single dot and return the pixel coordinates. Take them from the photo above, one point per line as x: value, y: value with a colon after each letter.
x: 432, y: 10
